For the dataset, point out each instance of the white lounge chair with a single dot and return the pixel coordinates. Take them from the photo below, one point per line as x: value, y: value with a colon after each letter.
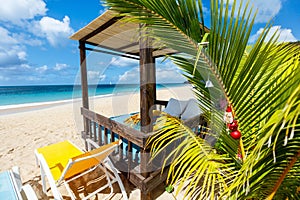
x: 11, y: 186
x: 63, y: 162
x: 183, y: 109
x: 175, y: 107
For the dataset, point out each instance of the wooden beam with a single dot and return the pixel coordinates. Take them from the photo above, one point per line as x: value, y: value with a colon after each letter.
x: 127, y: 46
x: 83, y: 70
x: 112, y: 49
x: 101, y: 28
x: 111, y: 53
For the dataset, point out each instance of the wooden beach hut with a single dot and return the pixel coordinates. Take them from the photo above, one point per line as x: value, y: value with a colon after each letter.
x: 109, y: 34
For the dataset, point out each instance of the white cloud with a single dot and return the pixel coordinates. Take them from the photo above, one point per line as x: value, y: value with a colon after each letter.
x: 42, y: 69
x: 131, y: 76
x: 32, y: 78
x: 123, y: 62
x: 12, y: 52
x: 12, y: 56
x: 25, y: 66
x: 60, y: 66
x: 95, y: 77
x: 57, y: 32
x: 22, y: 55
x: 3, y: 78
x: 27, y: 39
x: 169, y: 76
x: 6, y: 37
x: 17, y: 10
x: 286, y: 35
x: 166, y: 72
x: 267, y: 9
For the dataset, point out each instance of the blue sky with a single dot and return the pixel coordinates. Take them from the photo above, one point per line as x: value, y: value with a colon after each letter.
x: 35, y: 49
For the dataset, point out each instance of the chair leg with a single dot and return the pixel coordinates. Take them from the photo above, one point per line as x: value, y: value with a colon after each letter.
x: 109, y: 182
x: 69, y: 191
x: 43, y: 174
x: 120, y: 183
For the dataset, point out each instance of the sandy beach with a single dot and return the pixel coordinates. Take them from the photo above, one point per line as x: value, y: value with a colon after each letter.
x: 24, y: 129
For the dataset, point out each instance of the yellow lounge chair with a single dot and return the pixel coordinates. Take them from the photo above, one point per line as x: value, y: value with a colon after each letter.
x: 63, y: 162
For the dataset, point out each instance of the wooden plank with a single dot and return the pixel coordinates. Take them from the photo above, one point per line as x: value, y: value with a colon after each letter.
x: 129, y: 153
x: 105, y: 136
x: 95, y: 130
x: 136, y: 179
x: 150, y: 183
x: 161, y: 102
x: 126, y: 132
x: 101, y: 28
x: 121, y: 147
x: 154, y: 180
x: 112, y: 137
x: 90, y: 129
x: 99, y: 135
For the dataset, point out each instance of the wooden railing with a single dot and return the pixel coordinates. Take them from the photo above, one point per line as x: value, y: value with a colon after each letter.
x: 131, y: 157
x: 103, y: 130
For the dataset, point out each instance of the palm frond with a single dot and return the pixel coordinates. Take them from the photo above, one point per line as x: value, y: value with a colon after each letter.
x: 273, y: 162
x: 191, y: 158
x: 258, y: 81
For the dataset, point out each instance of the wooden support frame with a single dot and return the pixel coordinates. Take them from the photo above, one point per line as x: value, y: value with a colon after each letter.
x: 98, y: 127
x: 147, y: 81
x: 84, y: 84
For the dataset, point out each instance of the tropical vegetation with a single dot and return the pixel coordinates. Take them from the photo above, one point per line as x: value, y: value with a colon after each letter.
x: 258, y: 81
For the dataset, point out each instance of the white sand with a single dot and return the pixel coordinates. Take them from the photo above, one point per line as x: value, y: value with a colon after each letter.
x: 24, y: 130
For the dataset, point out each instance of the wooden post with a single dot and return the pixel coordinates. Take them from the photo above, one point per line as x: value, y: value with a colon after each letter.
x: 84, y: 85
x: 147, y: 84
x: 147, y: 99
x: 153, y: 79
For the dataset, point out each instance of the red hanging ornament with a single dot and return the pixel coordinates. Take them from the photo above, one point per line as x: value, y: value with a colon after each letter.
x: 236, y: 134
x: 233, y: 126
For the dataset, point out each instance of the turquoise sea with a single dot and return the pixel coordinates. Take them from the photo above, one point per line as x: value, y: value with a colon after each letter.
x: 15, y: 95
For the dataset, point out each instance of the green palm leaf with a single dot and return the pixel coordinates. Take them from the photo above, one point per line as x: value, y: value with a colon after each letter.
x: 281, y: 162
x: 192, y: 159
x: 258, y: 81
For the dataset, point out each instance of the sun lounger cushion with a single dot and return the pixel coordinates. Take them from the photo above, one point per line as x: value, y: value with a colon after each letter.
x: 175, y: 107
x: 192, y: 109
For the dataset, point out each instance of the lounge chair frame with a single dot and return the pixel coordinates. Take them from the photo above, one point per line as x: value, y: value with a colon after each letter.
x: 21, y: 192
x: 105, y: 165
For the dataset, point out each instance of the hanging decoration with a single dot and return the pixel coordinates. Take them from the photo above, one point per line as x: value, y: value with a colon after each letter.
x: 228, y: 116
x: 233, y: 129
x: 208, y: 83
x: 232, y: 124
